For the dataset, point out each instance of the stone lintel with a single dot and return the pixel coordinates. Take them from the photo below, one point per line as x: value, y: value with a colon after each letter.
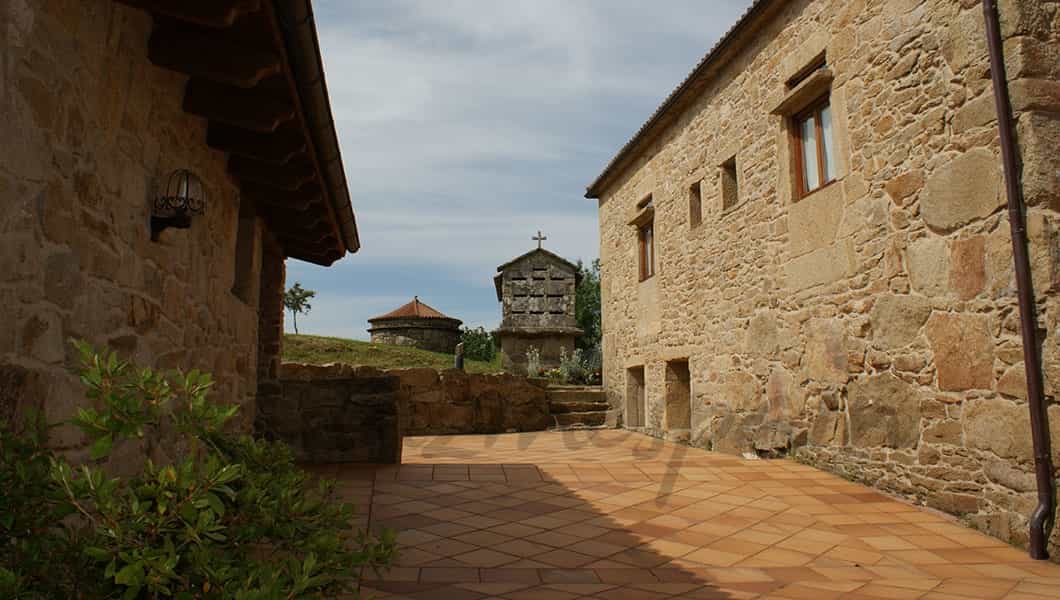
x: 812, y: 88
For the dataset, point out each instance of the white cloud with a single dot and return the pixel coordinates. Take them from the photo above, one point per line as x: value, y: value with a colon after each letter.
x: 467, y: 125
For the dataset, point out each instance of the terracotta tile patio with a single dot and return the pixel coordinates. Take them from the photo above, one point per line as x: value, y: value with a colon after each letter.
x: 618, y: 515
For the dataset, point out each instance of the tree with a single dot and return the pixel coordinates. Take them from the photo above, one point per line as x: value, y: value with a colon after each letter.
x: 478, y: 344
x: 296, y: 300
x: 587, y: 305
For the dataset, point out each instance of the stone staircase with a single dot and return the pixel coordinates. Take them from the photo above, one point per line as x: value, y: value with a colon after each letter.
x: 579, y: 407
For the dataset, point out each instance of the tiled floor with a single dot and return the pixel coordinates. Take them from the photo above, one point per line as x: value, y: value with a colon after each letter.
x: 617, y: 515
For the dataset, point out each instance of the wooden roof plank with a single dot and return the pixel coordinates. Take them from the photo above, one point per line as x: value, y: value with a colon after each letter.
x: 273, y: 148
x: 201, y: 54
x: 208, y: 13
x: 247, y: 109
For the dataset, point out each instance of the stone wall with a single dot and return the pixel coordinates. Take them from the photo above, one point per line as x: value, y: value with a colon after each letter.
x: 453, y: 401
x: 874, y: 320
x: 272, y: 284
x: 341, y: 413
x: 436, y: 335
x: 335, y: 413
x: 90, y: 129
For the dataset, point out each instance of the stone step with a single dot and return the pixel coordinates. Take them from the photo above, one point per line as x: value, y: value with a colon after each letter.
x: 576, y: 394
x: 569, y: 406
x: 583, y: 419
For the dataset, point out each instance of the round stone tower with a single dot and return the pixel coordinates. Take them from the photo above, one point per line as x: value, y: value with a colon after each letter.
x: 416, y: 324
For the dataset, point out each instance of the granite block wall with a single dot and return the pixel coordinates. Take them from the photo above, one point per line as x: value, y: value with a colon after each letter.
x: 872, y: 323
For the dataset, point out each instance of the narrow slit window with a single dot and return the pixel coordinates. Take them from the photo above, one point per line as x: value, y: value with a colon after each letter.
x: 730, y: 184
x: 647, y: 250
x: 695, y: 204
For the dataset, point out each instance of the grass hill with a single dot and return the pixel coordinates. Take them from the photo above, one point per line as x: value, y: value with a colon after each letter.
x: 318, y: 350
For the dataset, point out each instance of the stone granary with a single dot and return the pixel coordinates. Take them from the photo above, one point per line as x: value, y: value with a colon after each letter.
x: 537, y: 293
x: 807, y: 246
x: 416, y: 324
x: 102, y: 102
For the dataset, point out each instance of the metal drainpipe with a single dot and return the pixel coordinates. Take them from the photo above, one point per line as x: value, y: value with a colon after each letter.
x: 1042, y: 517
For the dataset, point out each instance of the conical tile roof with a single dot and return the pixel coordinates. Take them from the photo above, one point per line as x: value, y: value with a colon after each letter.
x: 412, y: 310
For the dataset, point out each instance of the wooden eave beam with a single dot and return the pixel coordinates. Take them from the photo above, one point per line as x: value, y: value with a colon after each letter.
x: 208, y: 13
x: 314, y: 237
x: 304, y: 199
x: 321, y: 245
x: 269, y: 10
x: 298, y: 248
x: 290, y: 177
x: 207, y: 55
x: 283, y: 219
x: 272, y: 148
x: 324, y: 260
x: 246, y: 109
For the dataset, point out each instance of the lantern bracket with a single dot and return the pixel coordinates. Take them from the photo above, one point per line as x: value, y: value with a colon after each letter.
x: 184, y: 197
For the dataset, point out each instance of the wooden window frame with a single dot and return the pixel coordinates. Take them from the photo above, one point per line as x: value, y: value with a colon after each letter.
x: 814, y: 109
x: 646, y: 249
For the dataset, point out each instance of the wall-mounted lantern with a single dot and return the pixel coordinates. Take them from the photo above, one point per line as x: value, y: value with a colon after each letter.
x: 183, y: 196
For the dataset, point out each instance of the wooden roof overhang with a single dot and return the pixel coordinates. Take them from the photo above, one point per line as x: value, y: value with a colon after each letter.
x: 256, y: 75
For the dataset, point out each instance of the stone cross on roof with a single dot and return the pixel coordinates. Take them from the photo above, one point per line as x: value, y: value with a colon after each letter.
x: 539, y: 238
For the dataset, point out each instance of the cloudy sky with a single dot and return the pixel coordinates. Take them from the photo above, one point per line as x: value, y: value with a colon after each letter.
x: 466, y: 126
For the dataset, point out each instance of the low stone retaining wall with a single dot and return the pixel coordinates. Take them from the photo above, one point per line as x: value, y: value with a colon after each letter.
x: 335, y: 413
x: 341, y: 413
x: 452, y: 401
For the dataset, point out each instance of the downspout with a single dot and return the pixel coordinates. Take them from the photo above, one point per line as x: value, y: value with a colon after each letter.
x: 1042, y: 517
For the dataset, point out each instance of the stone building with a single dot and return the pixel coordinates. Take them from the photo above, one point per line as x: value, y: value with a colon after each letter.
x: 416, y: 324
x: 806, y: 246
x: 102, y: 101
x: 537, y: 293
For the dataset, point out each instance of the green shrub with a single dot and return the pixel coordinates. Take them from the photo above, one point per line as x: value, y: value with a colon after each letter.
x: 478, y: 344
x: 232, y: 517
x: 581, y: 367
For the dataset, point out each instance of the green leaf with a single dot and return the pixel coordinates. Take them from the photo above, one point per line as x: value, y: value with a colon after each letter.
x: 131, y: 575
x: 102, y: 446
x: 215, y: 504
x: 98, y: 554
